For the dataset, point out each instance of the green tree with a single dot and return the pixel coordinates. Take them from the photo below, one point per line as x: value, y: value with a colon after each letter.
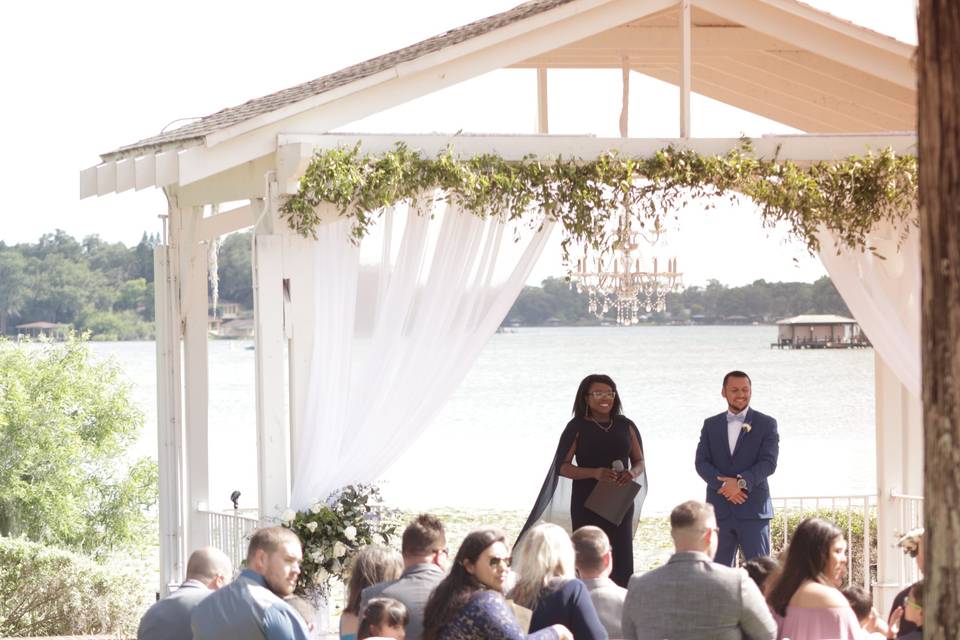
x: 236, y: 277
x: 14, y: 286
x: 66, y: 425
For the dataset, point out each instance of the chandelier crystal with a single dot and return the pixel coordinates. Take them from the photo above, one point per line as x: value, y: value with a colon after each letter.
x: 618, y: 278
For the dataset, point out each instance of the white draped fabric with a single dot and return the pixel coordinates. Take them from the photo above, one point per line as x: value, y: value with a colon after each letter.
x: 884, y: 296
x: 398, y: 325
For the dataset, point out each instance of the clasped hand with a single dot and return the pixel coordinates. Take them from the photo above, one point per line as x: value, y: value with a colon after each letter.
x: 731, y: 491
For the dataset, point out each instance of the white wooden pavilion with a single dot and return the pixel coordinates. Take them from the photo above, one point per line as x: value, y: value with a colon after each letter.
x: 847, y: 87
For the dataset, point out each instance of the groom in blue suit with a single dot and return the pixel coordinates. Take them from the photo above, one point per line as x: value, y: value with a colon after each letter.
x: 738, y: 450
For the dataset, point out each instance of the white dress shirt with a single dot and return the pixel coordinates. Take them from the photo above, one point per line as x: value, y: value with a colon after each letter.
x: 734, y: 424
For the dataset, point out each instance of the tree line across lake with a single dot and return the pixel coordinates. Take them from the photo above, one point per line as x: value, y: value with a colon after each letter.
x: 106, y: 289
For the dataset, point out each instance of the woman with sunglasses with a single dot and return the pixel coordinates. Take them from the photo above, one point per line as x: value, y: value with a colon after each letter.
x: 468, y: 604
x: 548, y: 586
x: 597, y: 439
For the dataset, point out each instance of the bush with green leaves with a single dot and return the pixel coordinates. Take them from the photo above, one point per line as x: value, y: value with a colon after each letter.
x: 66, y: 425
x: 850, y: 522
x: 45, y: 591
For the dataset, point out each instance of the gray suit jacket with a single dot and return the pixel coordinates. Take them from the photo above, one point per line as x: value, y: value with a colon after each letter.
x: 608, y: 599
x: 169, y: 619
x: 412, y: 589
x: 693, y: 598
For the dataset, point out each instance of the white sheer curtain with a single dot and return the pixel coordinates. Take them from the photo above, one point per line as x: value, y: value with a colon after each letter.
x: 397, y: 328
x: 884, y: 296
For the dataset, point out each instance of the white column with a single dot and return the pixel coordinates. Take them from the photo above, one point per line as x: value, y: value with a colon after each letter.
x: 194, y: 312
x: 625, y: 98
x: 169, y: 419
x: 685, y: 48
x: 273, y: 432
x: 543, y: 125
x: 899, y: 420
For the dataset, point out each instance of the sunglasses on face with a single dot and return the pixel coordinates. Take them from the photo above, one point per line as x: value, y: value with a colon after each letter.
x: 496, y: 562
x: 596, y: 395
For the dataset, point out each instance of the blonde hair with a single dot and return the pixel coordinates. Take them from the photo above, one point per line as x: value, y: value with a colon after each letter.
x: 545, y: 552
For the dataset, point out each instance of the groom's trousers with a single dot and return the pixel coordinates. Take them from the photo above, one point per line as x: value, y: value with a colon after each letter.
x: 752, y: 536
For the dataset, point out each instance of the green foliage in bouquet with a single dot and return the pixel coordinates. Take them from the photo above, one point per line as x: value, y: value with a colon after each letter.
x: 334, y: 530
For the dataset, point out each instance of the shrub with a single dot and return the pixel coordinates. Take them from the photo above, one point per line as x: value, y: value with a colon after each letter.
x: 49, y: 591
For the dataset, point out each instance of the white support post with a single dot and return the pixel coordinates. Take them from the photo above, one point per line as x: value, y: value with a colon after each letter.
x: 194, y: 312
x: 899, y: 420
x: 273, y: 431
x: 170, y: 441
x: 625, y: 100
x: 685, y: 48
x: 543, y: 125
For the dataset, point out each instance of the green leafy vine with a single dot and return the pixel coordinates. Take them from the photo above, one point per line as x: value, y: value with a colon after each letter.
x: 847, y: 197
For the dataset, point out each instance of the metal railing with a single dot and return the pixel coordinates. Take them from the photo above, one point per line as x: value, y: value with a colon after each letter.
x: 230, y: 532
x: 855, y: 515
x: 910, y: 515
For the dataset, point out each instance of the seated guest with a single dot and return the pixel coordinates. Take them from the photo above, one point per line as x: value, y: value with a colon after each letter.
x: 547, y: 585
x: 372, y: 564
x: 252, y: 606
x: 424, y: 550
x: 468, y: 604
x: 913, y: 611
x: 805, y: 595
x: 761, y: 569
x: 912, y: 545
x: 594, y: 562
x: 306, y: 611
x: 383, y: 618
x: 208, y: 569
x: 692, y: 597
x: 862, y: 604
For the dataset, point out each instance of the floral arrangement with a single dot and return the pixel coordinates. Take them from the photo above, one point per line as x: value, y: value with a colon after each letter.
x: 334, y: 530
x: 910, y: 542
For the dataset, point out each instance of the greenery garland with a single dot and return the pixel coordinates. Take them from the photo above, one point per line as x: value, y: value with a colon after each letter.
x: 586, y: 197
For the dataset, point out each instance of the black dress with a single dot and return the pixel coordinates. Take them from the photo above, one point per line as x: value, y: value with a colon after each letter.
x: 596, y: 448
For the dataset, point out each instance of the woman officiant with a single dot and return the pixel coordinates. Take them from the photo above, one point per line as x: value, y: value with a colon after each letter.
x: 595, y: 443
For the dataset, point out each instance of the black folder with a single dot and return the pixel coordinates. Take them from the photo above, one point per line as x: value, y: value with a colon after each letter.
x: 611, y: 501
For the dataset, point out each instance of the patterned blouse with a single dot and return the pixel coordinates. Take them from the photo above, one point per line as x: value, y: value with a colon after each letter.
x: 487, y: 616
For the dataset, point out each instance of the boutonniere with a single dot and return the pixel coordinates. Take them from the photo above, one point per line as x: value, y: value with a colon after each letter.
x: 746, y: 427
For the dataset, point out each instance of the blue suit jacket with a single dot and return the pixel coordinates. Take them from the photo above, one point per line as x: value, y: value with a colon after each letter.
x: 754, y: 458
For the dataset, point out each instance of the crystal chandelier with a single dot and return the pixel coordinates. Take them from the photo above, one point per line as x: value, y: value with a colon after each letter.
x: 614, y: 278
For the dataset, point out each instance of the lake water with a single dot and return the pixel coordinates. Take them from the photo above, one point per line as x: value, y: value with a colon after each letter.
x: 492, y: 442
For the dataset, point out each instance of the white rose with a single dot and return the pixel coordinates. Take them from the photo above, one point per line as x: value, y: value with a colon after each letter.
x: 312, y: 526
x: 339, y: 550
x: 316, y: 507
x: 317, y: 557
x: 288, y: 516
x: 350, y: 533
x: 320, y: 575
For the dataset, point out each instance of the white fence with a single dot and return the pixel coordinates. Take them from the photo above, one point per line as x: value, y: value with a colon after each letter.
x: 230, y: 532
x: 842, y: 510
x: 910, y: 514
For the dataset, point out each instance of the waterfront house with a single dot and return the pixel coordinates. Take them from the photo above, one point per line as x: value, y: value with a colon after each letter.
x: 819, y: 332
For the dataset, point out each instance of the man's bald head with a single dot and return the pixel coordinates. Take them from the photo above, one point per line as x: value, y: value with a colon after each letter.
x: 210, y: 566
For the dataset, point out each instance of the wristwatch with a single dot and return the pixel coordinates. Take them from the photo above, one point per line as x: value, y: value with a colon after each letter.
x: 741, y: 483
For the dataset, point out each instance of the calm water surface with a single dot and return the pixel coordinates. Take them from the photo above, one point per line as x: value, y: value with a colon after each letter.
x: 492, y: 442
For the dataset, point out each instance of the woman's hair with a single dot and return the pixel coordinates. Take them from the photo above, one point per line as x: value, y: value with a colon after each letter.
x: 456, y: 589
x: 380, y: 613
x: 806, y: 559
x: 760, y: 569
x: 580, y: 408
x: 543, y: 553
x: 373, y: 564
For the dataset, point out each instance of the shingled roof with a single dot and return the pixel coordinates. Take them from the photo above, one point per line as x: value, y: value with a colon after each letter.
x: 258, y: 106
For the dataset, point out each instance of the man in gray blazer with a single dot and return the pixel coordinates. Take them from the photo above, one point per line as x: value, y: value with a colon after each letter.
x: 424, y: 550
x: 692, y: 597
x: 594, y: 561
x: 208, y: 569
